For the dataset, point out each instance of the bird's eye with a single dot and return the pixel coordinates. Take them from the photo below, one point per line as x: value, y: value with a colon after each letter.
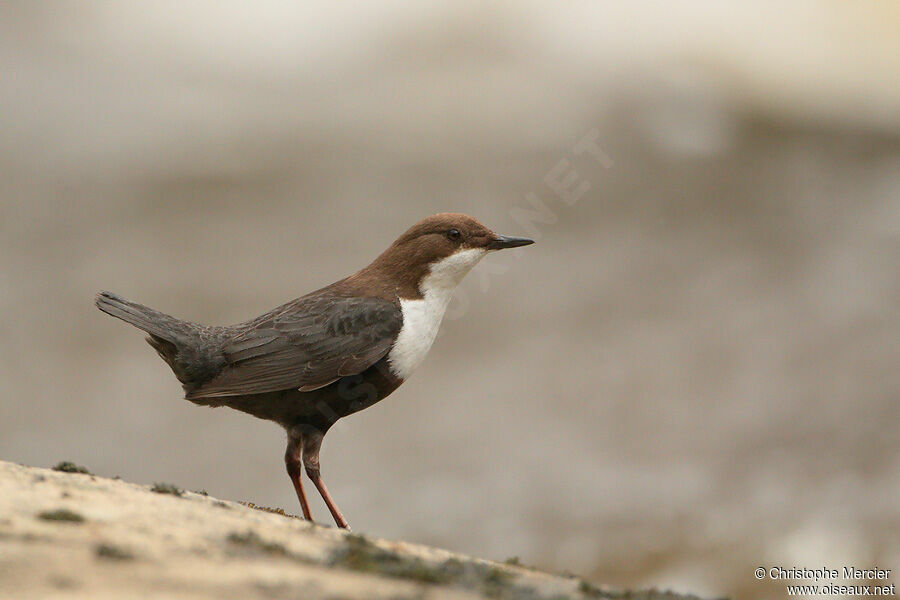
x: 454, y: 234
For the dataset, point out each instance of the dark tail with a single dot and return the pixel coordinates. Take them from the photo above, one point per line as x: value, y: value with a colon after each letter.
x: 176, y: 341
x: 155, y: 323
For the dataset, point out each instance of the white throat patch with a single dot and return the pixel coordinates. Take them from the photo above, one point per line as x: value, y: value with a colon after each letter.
x: 422, y: 318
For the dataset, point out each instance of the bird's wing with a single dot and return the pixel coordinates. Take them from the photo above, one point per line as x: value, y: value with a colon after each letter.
x: 305, y: 345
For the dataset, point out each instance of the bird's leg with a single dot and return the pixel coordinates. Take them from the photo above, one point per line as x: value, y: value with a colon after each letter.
x: 293, y: 460
x: 311, y: 444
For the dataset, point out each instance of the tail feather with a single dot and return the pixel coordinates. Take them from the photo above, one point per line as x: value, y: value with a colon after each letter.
x: 152, y: 321
x: 178, y: 342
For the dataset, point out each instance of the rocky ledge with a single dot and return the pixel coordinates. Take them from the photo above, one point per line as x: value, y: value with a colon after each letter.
x: 65, y: 533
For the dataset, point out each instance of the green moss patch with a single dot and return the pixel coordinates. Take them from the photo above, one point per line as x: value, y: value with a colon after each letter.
x: 70, y: 467
x: 360, y: 554
x: 113, y: 553
x: 167, y: 488
x: 63, y: 515
x: 250, y: 540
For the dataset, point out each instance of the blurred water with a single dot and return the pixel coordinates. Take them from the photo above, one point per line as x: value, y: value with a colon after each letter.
x: 691, y: 374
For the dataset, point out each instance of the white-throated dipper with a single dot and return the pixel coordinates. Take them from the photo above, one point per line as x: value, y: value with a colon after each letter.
x: 330, y: 353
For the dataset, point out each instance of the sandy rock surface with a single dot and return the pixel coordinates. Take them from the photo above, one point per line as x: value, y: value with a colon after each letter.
x: 76, y: 535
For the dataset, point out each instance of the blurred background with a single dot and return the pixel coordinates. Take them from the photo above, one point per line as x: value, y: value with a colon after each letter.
x: 692, y: 374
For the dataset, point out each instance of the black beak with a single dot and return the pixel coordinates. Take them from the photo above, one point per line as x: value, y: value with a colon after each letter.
x: 503, y: 241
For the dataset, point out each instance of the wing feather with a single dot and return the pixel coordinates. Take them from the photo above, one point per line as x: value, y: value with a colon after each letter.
x: 305, y: 345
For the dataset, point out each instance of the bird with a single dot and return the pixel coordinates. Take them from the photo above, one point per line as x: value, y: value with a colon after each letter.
x: 328, y: 354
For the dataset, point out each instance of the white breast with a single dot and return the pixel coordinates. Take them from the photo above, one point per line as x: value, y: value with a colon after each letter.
x: 422, y: 317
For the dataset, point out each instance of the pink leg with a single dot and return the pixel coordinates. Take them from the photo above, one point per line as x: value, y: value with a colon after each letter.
x: 311, y: 444
x: 293, y: 460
